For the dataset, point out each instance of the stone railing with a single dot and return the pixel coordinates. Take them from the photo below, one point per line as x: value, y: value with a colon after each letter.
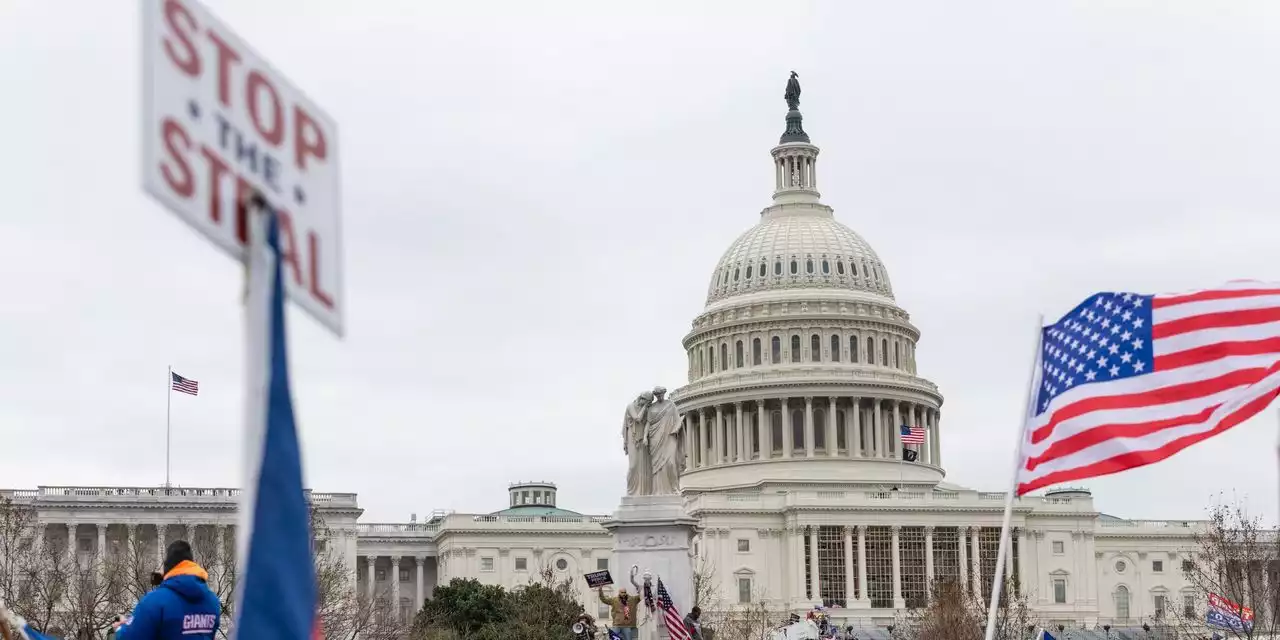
x: 161, y: 494
x: 1151, y: 524
x: 414, y: 529
x: 465, y: 521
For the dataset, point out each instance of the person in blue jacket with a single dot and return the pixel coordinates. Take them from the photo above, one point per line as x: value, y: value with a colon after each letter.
x: 182, y: 607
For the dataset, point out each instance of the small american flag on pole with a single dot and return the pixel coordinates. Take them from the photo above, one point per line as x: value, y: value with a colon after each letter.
x: 671, y: 615
x: 1126, y: 380
x: 185, y: 385
x: 912, y: 435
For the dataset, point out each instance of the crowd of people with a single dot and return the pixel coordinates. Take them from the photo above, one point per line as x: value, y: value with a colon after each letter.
x: 179, y: 606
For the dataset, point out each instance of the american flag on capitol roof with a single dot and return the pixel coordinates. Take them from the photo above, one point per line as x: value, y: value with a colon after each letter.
x: 1126, y: 380
x: 912, y: 435
x: 184, y: 385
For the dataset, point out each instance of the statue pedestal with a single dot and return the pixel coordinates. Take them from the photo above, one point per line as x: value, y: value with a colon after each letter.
x: 655, y: 534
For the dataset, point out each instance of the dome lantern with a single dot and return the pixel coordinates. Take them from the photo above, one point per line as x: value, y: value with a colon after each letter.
x: 795, y: 159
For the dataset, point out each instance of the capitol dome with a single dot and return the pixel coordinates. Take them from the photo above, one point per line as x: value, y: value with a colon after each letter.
x: 802, y: 365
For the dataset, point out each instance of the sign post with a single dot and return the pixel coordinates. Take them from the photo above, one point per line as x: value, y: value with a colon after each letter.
x: 219, y: 123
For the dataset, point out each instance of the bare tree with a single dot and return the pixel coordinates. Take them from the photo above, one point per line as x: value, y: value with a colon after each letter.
x: 1237, y: 563
x: 954, y: 613
x: 344, y: 613
x: 754, y: 620
x: 706, y: 591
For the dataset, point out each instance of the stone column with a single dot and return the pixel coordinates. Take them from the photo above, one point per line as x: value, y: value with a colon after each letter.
x: 70, y: 551
x: 815, y: 584
x: 742, y: 434
x: 849, y: 562
x: 928, y: 562
x: 797, y: 566
x: 686, y: 433
x: 765, y: 430
x: 371, y: 583
x: 1024, y: 563
x: 419, y: 568
x: 717, y: 437
x: 977, y: 561
x: 787, y: 439
x: 898, y: 602
x: 808, y: 427
x: 162, y: 532
x: 705, y: 429
x: 934, y: 418
x: 131, y: 543
x: 855, y: 446
x: 102, y: 541
x: 877, y: 428
x: 962, y: 534
x: 862, y: 563
x: 395, y: 584
x: 897, y: 430
x: 833, y: 439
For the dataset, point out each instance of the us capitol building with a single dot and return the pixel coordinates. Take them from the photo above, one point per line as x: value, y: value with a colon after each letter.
x: 801, y: 367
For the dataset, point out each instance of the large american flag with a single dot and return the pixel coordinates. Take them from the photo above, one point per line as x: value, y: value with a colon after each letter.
x: 185, y: 385
x: 912, y: 435
x: 671, y: 615
x: 1127, y: 380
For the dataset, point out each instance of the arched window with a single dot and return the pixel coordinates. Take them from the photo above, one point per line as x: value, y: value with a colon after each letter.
x: 854, y: 265
x: 840, y: 267
x: 711, y: 358
x: 755, y: 351
x: 835, y: 348
x: 815, y: 348
x: 808, y: 265
x: 736, y: 273
x: 775, y: 429
x: 777, y: 350
x: 797, y: 430
x: 795, y: 348
x: 826, y: 267
x: 748, y: 272
x: 724, y: 356
x: 871, y: 351
x: 753, y: 427
x: 777, y: 268
x: 884, y: 352
x: 795, y: 267
x: 842, y: 442
x: 764, y: 269
x: 701, y: 371
x: 853, y: 349
x: 1122, y: 602
x: 820, y: 429
x: 737, y: 355
x: 897, y: 348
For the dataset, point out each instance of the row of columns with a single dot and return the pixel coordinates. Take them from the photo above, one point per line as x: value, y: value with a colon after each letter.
x: 131, y: 529
x: 970, y: 567
x: 419, y: 566
x: 722, y: 434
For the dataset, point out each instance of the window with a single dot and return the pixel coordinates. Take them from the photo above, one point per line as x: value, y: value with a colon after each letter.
x: 871, y: 351
x: 1188, y: 566
x: 795, y: 267
x: 826, y: 267
x: 1189, y: 605
x: 815, y: 348
x: 797, y: 431
x: 1058, y: 547
x: 884, y: 352
x: 748, y: 272
x: 777, y: 268
x: 1121, y: 566
x: 562, y: 564
x: 380, y: 575
x: 724, y: 357
x: 711, y: 358
x: 897, y: 348
x: 820, y: 429
x: 1059, y: 590
x: 763, y: 269
x: 1160, y: 608
x: 840, y: 267
x: 777, y: 350
x: 86, y: 544
x: 736, y: 273
x: 404, y: 573
x: 1157, y: 566
x: 755, y: 351
x: 602, y: 564
x: 1122, y: 602
x: 737, y: 355
x: 486, y: 564
x: 795, y: 348
x: 744, y: 545
x: 853, y: 349
x: 744, y: 590
x: 808, y: 266
x: 522, y: 564
x: 835, y: 348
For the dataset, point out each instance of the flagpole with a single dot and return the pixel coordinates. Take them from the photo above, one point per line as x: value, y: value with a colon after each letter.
x: 1002, y: 556
x: 168, y: 423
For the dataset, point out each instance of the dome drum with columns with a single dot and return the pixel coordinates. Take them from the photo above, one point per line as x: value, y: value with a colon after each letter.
x: 802, y: 356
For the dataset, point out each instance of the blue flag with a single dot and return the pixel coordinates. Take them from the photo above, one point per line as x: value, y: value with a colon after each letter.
x: 276, y: 592
x: 32, y: 634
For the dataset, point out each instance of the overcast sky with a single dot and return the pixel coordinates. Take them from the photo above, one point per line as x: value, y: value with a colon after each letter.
x: 535, y: 195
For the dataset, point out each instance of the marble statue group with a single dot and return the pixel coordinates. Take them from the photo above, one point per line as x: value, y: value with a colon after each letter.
x: 651, y: 440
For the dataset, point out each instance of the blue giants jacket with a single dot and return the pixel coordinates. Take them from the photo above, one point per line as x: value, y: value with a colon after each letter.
x: 181, y: 607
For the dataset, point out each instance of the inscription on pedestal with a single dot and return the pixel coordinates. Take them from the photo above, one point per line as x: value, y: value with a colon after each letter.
x: 649, y: 542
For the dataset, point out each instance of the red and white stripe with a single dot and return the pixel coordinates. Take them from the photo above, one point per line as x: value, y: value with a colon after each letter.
x: 915, y: 435
x: 1217, y: 363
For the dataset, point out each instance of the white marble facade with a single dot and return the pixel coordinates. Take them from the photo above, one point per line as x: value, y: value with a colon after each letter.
x: 800, y: 368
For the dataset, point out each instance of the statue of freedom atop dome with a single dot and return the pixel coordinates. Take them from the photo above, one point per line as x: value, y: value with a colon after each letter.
x: 792, y: 95
x: 651, y: 439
